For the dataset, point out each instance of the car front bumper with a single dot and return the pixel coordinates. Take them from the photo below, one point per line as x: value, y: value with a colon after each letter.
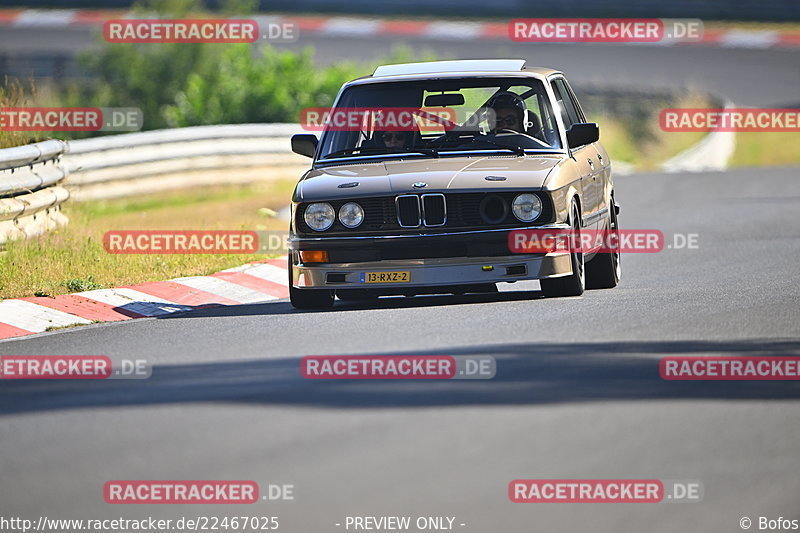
x: 434, y: 272
x: 487, y: 260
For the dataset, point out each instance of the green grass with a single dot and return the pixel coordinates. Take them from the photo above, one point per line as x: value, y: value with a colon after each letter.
x: 79, y: 285
x: 766, y: 149
x: 637, y: 138
x: 617, y: 140
x: 72, y: 259
x: 122, y: 206
x: 13, y: 93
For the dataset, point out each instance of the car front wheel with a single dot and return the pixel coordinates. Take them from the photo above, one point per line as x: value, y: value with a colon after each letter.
x: 575, y: 283
x: 604, y: 270
x: 308, y: 298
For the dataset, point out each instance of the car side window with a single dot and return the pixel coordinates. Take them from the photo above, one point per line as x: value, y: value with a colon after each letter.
x: 574, y: 102
x: 569, y: 112
x: 541, y: 126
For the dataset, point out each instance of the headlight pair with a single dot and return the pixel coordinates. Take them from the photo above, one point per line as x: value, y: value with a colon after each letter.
x: 321, y: 215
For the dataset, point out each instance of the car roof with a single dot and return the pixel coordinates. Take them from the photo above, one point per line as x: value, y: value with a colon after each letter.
x: 463, y: 65
x: 457, y: 68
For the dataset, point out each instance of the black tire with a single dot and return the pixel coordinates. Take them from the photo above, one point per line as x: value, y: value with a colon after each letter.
x: 604, y: 270
x: 308, y: 298
x: 575, y: 283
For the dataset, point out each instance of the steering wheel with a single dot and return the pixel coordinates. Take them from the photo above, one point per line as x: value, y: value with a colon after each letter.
x: 439, y: 141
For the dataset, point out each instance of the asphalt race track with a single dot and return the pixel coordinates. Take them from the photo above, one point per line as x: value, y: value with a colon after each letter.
x: 748, y: 77
x: 577, y: 392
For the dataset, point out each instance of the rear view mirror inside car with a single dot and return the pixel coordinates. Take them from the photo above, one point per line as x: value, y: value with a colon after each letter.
x: 444, y: 100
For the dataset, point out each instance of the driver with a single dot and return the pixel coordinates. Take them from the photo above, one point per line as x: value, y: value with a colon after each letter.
x: 509, y: 110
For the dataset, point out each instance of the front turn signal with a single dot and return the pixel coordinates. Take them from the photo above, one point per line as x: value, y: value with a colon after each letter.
x: 314, y: 256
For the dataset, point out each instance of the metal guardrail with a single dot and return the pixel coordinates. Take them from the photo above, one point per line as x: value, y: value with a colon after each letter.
x: 153, y: 161
x: 34, y: 184
x: 30, y: 190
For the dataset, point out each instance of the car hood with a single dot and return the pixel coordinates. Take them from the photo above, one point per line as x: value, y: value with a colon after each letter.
x: 453, y: 174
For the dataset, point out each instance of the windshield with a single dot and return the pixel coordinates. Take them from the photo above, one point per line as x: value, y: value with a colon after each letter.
x: 439, y: 116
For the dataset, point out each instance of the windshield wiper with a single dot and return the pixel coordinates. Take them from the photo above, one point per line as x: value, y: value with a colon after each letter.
x: 516, y: 149
x: 426, y: 151
x: 382, y: 151
x: 351, y: 151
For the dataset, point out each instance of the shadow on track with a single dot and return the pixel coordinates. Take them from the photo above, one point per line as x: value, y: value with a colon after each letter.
x: 283, y: 307
x: 527, y: 374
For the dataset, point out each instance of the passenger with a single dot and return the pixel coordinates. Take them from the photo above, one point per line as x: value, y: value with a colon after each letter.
x: 395, y: 140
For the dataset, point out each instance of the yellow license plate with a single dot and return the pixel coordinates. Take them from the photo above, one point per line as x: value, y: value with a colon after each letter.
x: 386, y: 277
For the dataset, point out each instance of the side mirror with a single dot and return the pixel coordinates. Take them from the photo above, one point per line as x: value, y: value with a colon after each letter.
x: 304, y: 144
x: 582, y: 134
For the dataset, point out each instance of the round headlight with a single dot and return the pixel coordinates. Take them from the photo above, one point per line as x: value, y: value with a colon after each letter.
x: 527, y: 207
x: 351, y: 215
x: 320, y: 216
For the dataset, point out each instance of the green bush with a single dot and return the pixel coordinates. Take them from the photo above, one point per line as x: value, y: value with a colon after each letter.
x: 272, y: 87
x: 181, y: 84
x: 185, y: 84
x: 81, y: 284
x: 178, y: 85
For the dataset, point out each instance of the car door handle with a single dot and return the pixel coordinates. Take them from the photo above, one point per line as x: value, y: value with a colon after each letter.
x: 591, y: 165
